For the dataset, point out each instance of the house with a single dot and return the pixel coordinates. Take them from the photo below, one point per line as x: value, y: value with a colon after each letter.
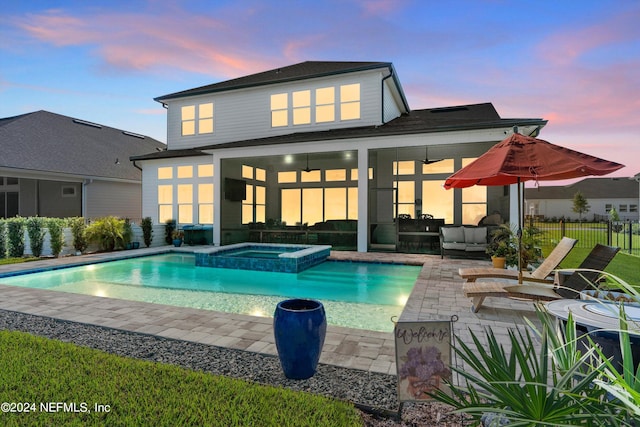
x: 323, y: 147
x: 58, y: 166
x: 602, y: 195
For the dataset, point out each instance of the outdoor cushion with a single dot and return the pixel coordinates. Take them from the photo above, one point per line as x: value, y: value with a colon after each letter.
x: 476, y: 247
x: 456, y: 246
x: 475, y: 235
x: 453, y: 234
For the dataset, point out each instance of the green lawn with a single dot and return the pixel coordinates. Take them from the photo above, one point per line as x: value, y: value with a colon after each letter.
x: 132, y: 392
x: 624, y: 266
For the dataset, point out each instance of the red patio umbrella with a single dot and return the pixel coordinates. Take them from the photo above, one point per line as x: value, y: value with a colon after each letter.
x: 520, y: 158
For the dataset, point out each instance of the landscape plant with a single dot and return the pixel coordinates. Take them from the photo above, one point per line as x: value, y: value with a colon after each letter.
x: 561, y: 378
x: 56, y: 235
x: 514, y: 386
x: 15, y: 237
x: 127, y: 233
x: 169, y: 227
x: 36, y: 230
x: 147, y: 230
x: 107, y: 232
x: 3, y: 238
x: 78, y: 231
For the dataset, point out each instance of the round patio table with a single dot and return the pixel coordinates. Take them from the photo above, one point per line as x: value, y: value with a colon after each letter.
x: 596, y: 315
x: 599, y: 319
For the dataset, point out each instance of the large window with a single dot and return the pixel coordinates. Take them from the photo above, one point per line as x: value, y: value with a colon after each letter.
x: 204, y: 119
x: 313, y: 205
x: 406, y: 197
x: 437, y: 201
x: 474, y: 201
x: 255, y: 203
x: 185, y: 194
x: 315, y: 106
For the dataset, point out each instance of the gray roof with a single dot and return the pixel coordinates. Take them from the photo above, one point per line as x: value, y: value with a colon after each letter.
x: 302, y: 71
x: 52, y: 143
x: 591, y: 188
x: 462, y: 117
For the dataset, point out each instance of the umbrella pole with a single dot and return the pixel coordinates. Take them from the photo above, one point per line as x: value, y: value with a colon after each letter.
x: 519, y: 234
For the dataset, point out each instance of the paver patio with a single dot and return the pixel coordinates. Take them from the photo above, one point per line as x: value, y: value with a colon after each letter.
x: 437, y: 295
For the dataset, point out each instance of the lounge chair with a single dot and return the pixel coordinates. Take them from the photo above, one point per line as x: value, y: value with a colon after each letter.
x: 541, y: 274
x: 598, y: 259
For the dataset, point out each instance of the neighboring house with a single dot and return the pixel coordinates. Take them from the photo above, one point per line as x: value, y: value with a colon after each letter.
x: 322, y: 144
x: 57, y: 166
x: 602, y: 194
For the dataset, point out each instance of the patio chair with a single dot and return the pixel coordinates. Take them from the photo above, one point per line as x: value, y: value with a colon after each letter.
x: 541, y: 274
x: 598, y: 259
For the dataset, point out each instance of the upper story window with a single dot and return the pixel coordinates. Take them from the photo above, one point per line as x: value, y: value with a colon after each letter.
x: 279, y: 110
x: 325, y: 104
x: 302, y: 107
x: 350, y: 102
x: 305, y: 107
x: 203, y: 119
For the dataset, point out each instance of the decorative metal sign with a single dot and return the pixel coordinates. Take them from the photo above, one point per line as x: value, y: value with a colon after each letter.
x: 423, y: 358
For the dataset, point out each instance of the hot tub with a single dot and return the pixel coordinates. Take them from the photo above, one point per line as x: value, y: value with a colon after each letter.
x: 281, y: 258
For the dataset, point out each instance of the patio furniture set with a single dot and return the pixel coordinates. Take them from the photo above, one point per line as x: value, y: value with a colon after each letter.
x: 540, y: 284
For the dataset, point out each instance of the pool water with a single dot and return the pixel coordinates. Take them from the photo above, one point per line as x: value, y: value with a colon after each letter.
x: 355, y: 295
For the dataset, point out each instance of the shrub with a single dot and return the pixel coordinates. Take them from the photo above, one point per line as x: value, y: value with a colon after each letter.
x: 147, y: 230
x: 78, y: 230
x: 55, y: 226
x: 36, y: 231
x: 107, y: 232
x: 15, y: 237
x: 169, y: 226
x: 127, y: 232
x: 3, y: 239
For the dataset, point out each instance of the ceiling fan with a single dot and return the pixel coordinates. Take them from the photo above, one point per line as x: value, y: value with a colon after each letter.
x: 428, y: 161
x: 307, y: 169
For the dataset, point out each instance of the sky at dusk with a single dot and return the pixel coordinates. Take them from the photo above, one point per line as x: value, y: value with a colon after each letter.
x: 574, y: 63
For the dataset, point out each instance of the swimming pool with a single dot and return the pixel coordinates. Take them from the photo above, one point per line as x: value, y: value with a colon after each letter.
x: 356, y: 295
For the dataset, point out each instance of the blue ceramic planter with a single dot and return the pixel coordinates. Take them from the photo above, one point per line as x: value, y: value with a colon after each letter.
x: 299, y: 326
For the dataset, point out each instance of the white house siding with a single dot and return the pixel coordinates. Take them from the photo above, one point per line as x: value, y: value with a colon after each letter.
x: 550, y: 208
x: 120, y: 199
x: 391, y: 109
x: 245, y: 113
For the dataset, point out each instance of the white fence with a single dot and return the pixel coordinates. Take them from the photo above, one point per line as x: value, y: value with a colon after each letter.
x: 67, y: 249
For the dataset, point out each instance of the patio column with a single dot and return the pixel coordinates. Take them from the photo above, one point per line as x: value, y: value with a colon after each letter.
x: 217, y: 199
x: 363, y: 199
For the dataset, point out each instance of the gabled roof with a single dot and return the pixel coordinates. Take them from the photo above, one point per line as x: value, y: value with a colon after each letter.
x: 52, y: 143
x: 591, y: 188
x: 301, y: 71
x: 462, y: 117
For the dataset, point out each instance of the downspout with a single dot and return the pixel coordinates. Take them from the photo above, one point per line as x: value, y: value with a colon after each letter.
x: 84, y: 198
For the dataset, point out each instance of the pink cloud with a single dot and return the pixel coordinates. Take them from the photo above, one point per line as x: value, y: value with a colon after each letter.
x: 570, y: 44
x: 144, y: 42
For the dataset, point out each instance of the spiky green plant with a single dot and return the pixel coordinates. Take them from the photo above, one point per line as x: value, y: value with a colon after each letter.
x: 526, y: 387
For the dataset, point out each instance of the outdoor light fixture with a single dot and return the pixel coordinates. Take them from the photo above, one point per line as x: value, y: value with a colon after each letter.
x: 117, y: 161
x: 426, y: 160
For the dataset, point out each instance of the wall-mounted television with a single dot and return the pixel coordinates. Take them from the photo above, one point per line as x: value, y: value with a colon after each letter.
x: 235, y: 190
